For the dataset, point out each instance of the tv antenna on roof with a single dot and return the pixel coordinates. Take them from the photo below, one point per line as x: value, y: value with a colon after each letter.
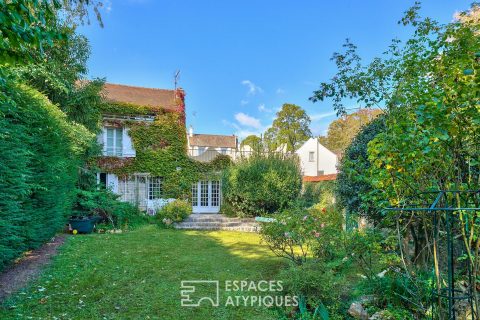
x: 176, y: 77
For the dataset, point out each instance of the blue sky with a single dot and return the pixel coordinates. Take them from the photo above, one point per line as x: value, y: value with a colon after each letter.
x: 241, y: 60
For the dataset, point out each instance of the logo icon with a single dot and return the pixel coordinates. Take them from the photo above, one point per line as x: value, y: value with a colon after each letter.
x: 208, y: 290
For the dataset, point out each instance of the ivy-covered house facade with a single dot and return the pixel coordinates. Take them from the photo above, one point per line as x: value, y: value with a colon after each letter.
x: 145, y: 158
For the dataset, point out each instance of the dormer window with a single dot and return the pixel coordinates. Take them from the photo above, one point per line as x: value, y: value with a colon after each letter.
x: 114, y: 141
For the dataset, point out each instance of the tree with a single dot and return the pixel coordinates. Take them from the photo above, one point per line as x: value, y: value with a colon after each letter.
x: 28, y: 27
x: 60, y: 75
x: 343, y: 130
x: 353, y: 188
x: 254, y: 142
x: 429, y: 88
x: 290, y: 128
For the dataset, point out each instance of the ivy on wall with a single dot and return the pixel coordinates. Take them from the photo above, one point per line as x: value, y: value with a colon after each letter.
x: 161, y: 150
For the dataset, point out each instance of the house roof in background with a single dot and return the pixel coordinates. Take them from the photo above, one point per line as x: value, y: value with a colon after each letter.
x: 157, y: 98
x: 212, y: 140
x: 325, y: 177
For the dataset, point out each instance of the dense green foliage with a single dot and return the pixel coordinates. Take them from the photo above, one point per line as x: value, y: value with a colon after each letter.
x: 342, y: 131
x: 175, y: 211
x: 320, y: 194
x: 354, y: 189
x: 29, y: 27
x: 47, y: 120
x: 260, y: 185
x: 290, y: 129
x: 104, y: 204
x: 427, y: 140
x: 39, y: 158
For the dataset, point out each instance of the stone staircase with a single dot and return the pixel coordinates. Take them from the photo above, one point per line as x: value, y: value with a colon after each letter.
x: 208, y: 221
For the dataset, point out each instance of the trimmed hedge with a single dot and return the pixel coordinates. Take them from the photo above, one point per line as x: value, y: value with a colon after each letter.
x: 260, y: 185
x: 39, y: 159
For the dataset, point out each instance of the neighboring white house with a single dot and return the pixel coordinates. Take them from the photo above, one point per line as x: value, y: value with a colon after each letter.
x: 316, y: 160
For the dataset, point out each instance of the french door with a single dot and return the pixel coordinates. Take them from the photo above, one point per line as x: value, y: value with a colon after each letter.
x: 206, y: 196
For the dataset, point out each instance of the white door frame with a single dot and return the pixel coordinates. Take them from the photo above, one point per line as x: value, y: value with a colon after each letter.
x: 208, y: 205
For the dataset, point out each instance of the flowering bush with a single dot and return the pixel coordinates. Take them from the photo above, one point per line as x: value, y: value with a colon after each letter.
x: 297, y: 233
x: 175, y: 211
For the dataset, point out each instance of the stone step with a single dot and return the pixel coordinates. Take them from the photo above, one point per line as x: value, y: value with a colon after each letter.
x: 216, y: 218
x: 217, y: 222
x: 211, y: 228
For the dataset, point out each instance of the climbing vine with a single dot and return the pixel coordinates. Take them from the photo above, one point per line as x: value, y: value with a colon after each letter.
x: 161, y: 150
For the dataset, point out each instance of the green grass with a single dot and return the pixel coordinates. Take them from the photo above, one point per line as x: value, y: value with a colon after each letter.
x: 137, y: 275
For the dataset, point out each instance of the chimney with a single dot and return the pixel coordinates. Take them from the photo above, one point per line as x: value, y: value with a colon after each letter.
x: 190, y: 131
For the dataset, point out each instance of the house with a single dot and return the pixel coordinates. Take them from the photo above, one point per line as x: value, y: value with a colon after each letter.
x: 155, y: 118
x: 206, y: 147
x: 149, y: 159
x: 317, y: 161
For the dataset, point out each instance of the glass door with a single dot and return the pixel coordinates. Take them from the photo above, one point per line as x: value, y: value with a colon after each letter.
x: 206, y: 196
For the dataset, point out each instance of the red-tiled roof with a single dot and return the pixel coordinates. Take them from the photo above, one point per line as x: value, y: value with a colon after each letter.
x: 212, y: 140
x: 157, y: 98
x: 325, y: 177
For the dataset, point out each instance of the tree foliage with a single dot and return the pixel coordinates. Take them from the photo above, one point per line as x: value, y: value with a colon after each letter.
x: 342, y: 131
x: 290, y: 128
x: 254, y: 142
x: 29, y: 27
x: 354, y: 188
x: 429, y: 87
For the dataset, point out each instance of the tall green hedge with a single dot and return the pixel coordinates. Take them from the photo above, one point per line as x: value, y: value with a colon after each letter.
x: 39, y: 160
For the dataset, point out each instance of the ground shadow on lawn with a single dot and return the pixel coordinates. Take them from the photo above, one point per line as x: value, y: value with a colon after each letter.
x: 138, y: 275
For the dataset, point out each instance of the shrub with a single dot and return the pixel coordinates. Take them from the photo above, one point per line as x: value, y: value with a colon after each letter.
x: 260, y: 185
x: 39, y: 159
x: 175, y: 211
x: 317, y: 193
x: 320, y: 285
x: 104, y: 203
x: 353, y: 184
x: 294, y: 232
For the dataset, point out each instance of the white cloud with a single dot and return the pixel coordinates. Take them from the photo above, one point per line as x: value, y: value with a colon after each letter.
x: 262, y: 108
x: 253, y: 89
x: 247, y: 121
x: 320, y: 116
x: 280, y: 91
x: 108, y: 6
x: 243, y: 102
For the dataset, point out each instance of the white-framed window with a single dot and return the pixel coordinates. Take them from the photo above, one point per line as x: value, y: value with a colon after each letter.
x: 114, y: 141
x: 155, y: 188
x: 223, y: 150
x: 311, y: 156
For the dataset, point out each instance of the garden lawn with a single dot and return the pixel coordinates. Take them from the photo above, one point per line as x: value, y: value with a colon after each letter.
x: 137, y: 275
